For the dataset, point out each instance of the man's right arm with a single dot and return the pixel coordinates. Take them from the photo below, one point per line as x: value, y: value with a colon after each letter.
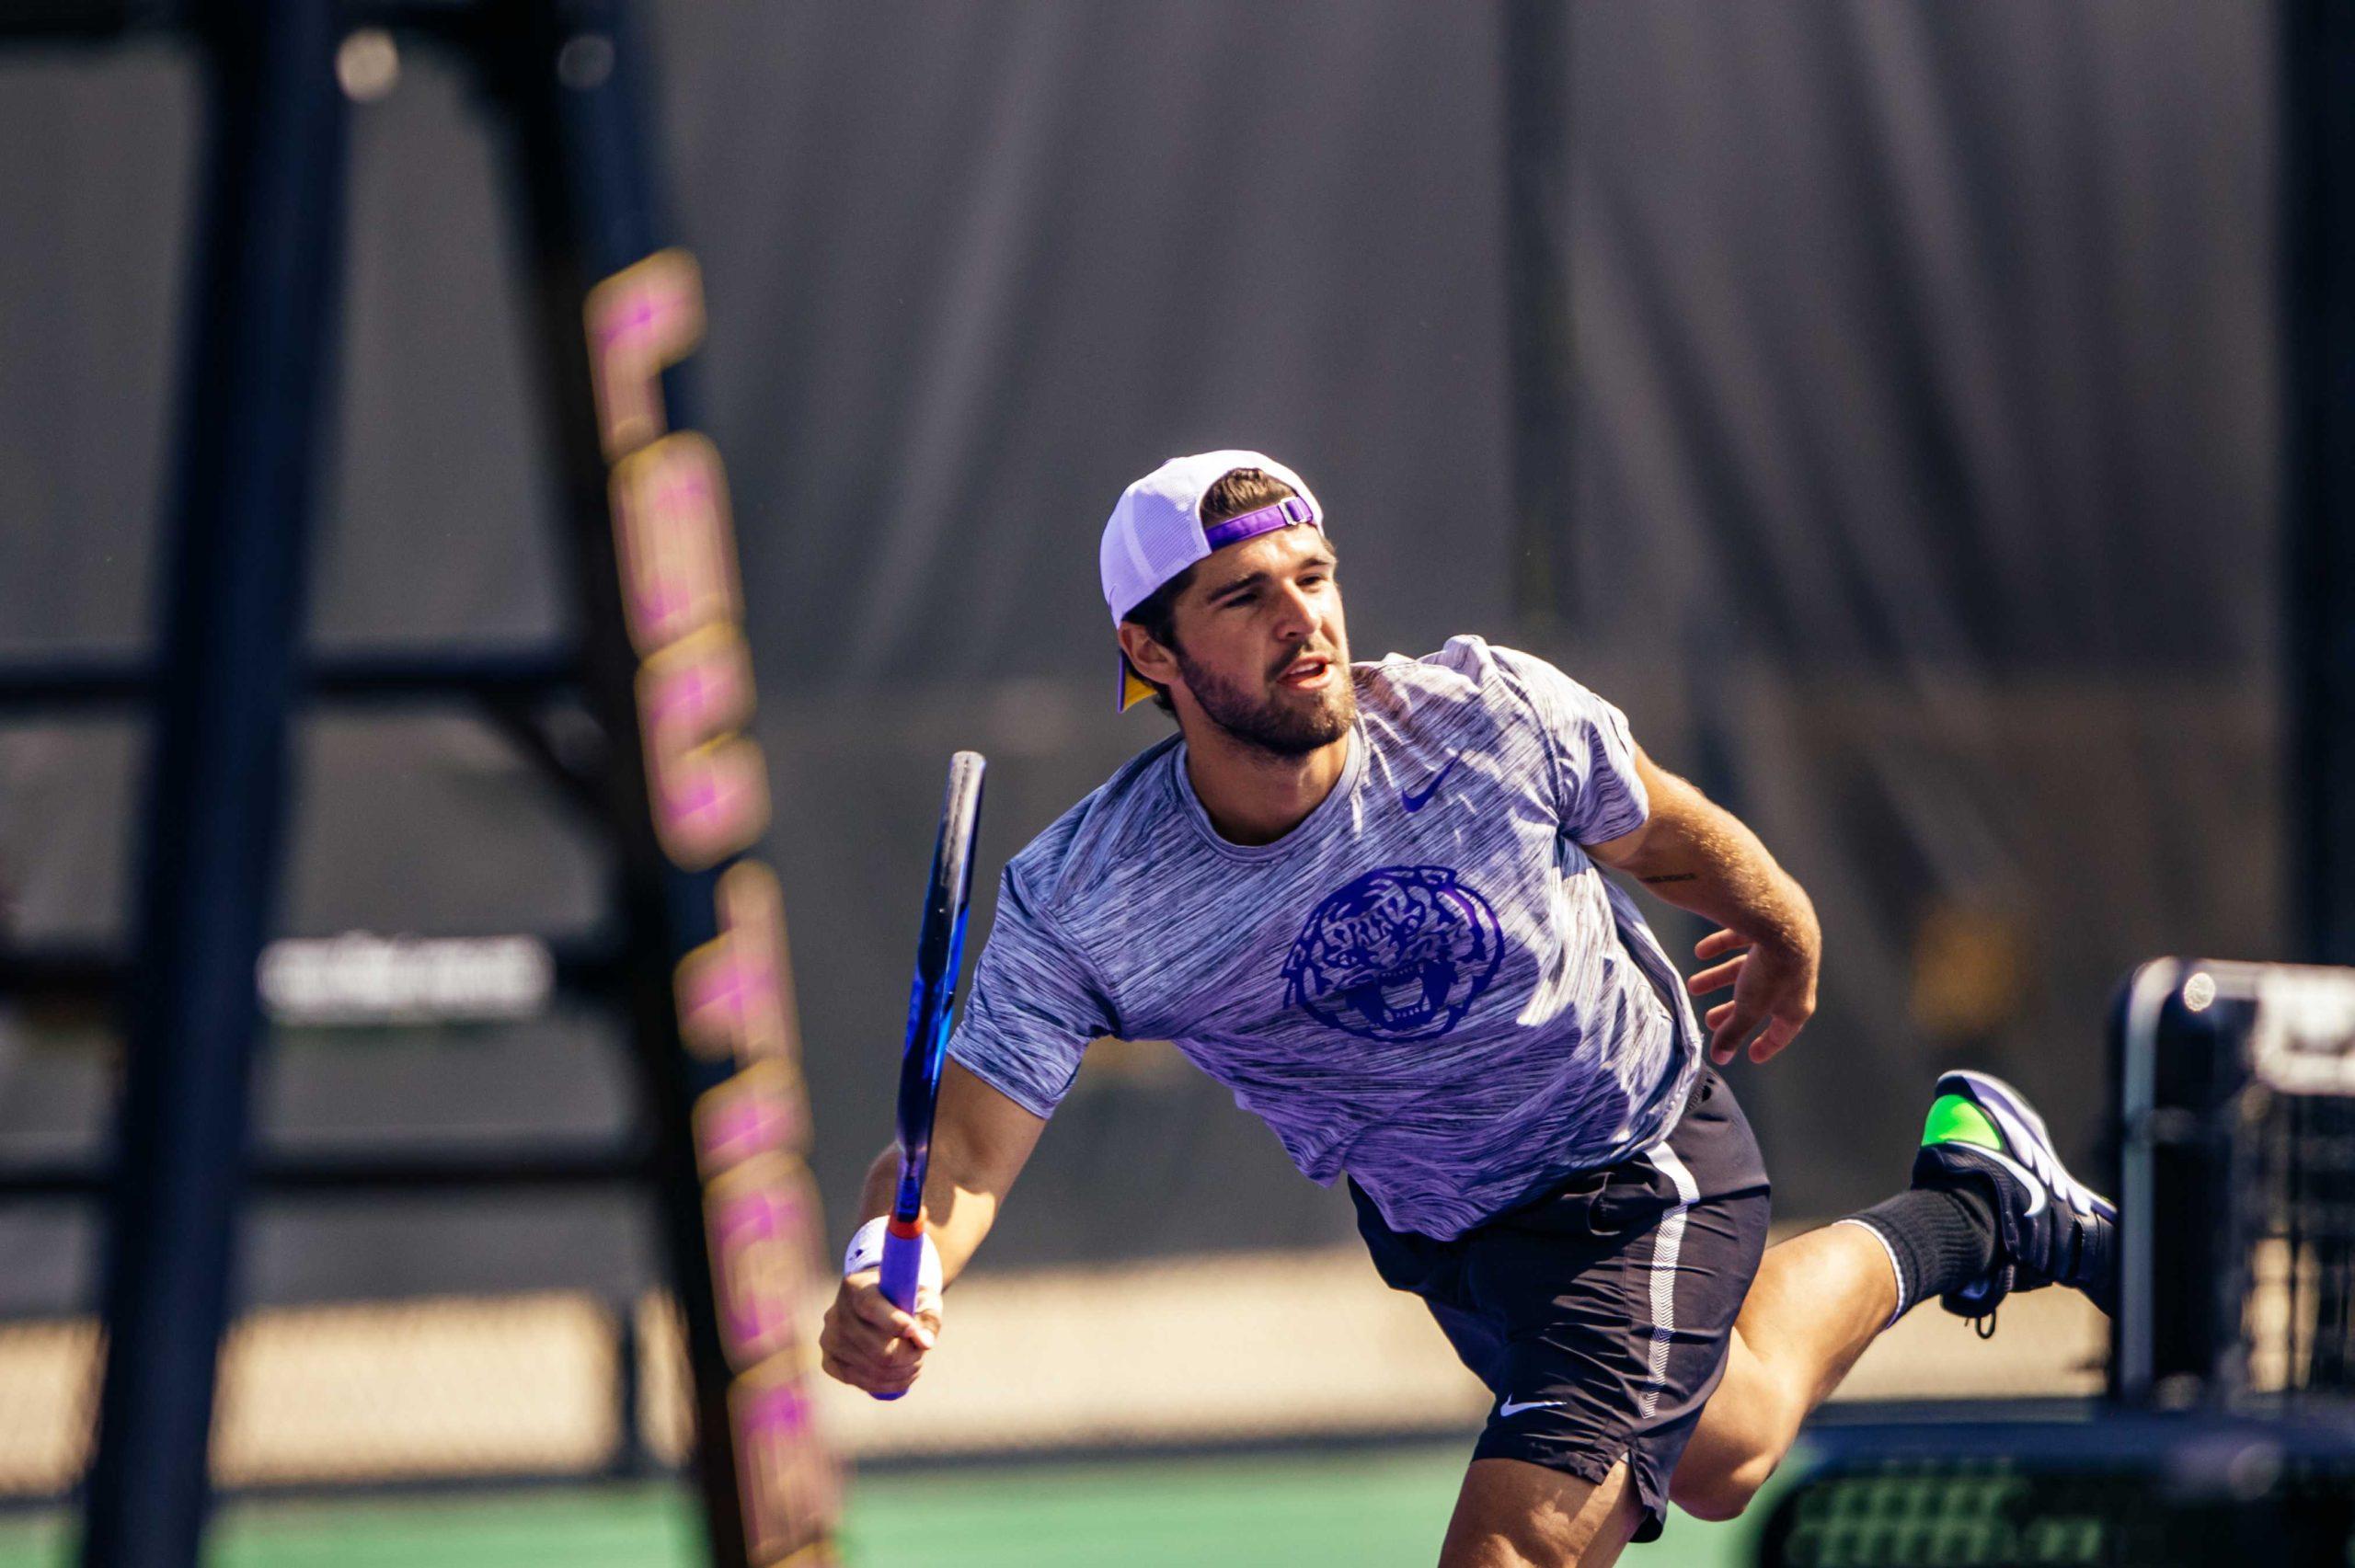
x: 981, y: 1139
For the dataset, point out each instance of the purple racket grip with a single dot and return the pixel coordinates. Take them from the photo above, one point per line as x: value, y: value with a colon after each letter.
x: 903, y: 1268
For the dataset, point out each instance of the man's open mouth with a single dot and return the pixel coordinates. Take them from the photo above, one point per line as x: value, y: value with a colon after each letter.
x: 1306, y: 672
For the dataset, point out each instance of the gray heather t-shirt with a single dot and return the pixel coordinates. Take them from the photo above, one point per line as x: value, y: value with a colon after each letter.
x: 1426, y: 984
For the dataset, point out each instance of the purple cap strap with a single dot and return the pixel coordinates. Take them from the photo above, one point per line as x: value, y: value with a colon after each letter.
x: 1251, y: 524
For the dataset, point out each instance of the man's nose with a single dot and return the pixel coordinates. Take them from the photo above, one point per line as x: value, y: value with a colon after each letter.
x: 1297, y: 616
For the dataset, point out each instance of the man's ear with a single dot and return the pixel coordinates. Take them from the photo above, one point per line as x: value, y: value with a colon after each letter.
x: 1153, y: 661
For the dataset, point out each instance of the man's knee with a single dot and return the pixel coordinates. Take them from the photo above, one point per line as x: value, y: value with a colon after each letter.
x: 1718, y: 1492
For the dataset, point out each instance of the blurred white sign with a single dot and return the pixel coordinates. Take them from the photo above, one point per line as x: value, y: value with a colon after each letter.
x: 362, y: 978
x: 2304, y: 1039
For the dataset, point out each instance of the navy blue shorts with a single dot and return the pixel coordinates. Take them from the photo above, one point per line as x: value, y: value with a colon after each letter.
x: 1599, y: 1314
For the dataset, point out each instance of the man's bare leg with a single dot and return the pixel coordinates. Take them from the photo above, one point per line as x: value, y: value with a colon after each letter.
x: 1513, y: 1513
x: 1819, y: 1299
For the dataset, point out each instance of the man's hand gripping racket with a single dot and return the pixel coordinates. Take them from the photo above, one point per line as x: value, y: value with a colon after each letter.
x: 940, y: 946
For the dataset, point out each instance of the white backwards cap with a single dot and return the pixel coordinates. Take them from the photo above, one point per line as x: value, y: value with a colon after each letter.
x: 1155, y: 532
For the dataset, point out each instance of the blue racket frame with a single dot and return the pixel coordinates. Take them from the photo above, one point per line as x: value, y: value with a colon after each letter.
x: 940, y: 949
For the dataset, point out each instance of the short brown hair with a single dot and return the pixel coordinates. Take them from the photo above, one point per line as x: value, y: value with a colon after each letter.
x: 1239, y: 490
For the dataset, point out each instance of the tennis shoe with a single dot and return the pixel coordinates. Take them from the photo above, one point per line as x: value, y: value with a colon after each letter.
x: 2051, y: 1229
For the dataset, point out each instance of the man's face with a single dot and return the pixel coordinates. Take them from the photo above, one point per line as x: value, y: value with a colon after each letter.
x: 1261, y: 646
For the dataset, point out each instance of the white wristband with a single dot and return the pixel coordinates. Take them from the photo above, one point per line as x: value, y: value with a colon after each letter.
x: 865, y: 1251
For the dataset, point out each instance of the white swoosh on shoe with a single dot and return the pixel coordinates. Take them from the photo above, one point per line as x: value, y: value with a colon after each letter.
x: 2027, y: 1178
x: 2038, y: 1143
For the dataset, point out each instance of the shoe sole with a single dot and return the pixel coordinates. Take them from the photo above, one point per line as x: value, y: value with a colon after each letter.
x: 1986, y: 1088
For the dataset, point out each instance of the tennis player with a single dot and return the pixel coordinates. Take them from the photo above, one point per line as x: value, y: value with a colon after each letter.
x: 1372, y: 899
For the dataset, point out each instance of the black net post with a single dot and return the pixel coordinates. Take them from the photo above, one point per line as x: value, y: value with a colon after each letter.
x: 2317, y: 191
x: 1535, y: 40
x: 2317, y: 179
x: 254, y: 386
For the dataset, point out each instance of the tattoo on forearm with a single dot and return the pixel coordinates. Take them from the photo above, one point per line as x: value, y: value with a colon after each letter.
x: 1672, y: 876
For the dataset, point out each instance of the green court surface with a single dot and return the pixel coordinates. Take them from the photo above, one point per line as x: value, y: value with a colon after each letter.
x: 1366, y: 1509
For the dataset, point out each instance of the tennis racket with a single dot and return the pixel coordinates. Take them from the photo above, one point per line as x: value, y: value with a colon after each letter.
x: 940, y: 946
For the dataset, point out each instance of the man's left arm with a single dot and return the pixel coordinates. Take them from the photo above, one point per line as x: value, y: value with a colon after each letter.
x: 1698, y: 856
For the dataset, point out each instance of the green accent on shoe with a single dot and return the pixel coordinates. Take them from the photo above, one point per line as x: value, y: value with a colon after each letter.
x: 1954, y: 1120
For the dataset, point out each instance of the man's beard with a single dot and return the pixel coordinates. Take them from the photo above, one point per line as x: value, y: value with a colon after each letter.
x: 1281, y: 730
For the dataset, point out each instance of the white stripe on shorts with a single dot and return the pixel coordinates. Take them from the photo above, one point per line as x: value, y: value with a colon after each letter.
x: 1668, y: 1241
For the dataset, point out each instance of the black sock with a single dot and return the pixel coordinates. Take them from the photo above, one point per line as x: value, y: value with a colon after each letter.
x: 1940, y: 1239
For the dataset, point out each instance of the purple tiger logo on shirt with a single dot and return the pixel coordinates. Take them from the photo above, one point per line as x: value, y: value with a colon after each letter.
x: 1398, y: 954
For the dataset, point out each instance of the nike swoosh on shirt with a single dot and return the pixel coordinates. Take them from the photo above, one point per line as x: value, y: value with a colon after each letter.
x: 1414, y: 800
x: 1511, y: 1408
